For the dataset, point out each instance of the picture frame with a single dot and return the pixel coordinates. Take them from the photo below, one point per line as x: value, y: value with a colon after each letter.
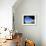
x: 29, y: 19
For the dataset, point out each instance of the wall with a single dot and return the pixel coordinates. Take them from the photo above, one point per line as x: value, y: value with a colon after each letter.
x: 43, y: 22
x: 6, y: 13
x: 28, y: 7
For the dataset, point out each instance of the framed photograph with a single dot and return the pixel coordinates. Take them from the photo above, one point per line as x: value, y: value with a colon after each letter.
x: 29, y: 19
